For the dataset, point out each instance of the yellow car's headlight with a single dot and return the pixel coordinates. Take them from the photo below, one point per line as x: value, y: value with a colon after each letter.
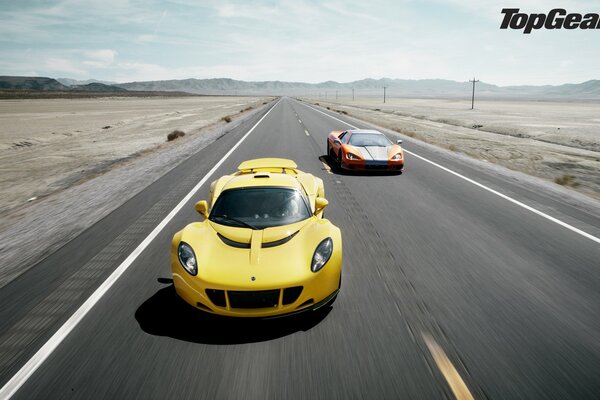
x: 322, y: 255
x: 187, y: 258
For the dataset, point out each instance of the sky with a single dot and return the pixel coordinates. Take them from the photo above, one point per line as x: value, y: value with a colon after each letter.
x: 292, y: 40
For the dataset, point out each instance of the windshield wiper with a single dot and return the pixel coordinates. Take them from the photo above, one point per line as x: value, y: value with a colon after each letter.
x: 239, y: 221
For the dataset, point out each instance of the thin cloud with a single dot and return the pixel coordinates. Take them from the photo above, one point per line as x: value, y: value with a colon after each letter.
x: 63, y: 66
x: 297, y: 40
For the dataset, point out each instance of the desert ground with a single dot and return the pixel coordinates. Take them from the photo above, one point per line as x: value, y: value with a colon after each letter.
x: 66, y: 164
x: 557, y: 141
x: 49, y: 145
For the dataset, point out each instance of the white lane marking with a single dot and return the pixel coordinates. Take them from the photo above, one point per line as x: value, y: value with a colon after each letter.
x: 307, y: 134
x: 516, y: 202
x: 299, y: 120
x: 455, y: 381
x: 15, y: 383
x: 331, y: 116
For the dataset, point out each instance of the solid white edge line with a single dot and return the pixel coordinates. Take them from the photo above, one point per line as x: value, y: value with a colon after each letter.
x: 517, y: 202
x: 15, y: 383
x: 331, y: 116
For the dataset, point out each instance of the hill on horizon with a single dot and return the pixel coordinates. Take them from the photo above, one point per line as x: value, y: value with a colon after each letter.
x: 45, y: 84
x: 370, y: 87
x: 589, y: 90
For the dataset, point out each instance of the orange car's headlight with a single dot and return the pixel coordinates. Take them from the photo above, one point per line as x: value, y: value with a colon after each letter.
x: 397, y: 157
x: 187, y: 258
x: 351, y: 156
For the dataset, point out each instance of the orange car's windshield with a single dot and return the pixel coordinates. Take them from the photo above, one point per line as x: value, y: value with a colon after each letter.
x: 369, y: 139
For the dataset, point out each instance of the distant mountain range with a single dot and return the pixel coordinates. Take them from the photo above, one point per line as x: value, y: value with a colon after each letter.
x: 364, y: 87
x: 49, y: 84
x: 75, y: 82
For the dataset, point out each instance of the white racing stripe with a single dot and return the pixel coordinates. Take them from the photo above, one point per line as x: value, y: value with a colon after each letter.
x: 15, y: 383
x: 516, y: 202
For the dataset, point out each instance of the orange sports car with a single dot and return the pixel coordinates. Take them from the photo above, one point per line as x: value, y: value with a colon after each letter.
x: 362, y: 149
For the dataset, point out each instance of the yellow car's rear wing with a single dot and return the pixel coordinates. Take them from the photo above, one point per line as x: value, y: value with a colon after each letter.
x: 281, y: 165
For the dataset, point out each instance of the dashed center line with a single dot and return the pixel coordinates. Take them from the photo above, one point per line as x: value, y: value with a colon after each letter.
x: 325, y: 165
x: 456, y: 383
x: 307, y: 134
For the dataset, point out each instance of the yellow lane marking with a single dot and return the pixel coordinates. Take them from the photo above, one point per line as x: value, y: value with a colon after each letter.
x: 307, y: 134
x: 325, y: 165
x: 457, y: 385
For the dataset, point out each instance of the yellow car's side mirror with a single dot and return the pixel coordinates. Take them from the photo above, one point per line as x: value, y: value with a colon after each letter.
x: 202, y: 208
x: 320, y: 204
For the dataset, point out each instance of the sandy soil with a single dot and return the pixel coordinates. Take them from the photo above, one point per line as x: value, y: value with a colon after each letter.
x: 97, y: 194
x: 551, y: 140
x: 49, y: 145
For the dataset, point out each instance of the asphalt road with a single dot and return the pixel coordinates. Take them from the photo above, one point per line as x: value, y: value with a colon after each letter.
x: 433, y: 264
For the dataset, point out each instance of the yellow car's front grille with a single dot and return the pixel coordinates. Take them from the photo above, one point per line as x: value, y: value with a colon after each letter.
x: 217, y: 297
x: 254, y: 298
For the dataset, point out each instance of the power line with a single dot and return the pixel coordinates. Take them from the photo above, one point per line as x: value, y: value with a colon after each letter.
x: 473, y: 95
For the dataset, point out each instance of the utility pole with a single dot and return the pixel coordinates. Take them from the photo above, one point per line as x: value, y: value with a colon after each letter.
x: 473, y: 95
x: 384, y: 93
x: 336, y: 94
x: 352, y: 94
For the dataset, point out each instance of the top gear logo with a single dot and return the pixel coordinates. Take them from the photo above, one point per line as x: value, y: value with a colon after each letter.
x: 557, y: 18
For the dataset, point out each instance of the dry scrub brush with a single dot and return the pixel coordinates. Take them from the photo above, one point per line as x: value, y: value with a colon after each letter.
x: 566, y: 180
x: 175, y: 135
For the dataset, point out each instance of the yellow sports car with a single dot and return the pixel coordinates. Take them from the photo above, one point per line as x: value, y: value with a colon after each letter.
x: 264, y: 248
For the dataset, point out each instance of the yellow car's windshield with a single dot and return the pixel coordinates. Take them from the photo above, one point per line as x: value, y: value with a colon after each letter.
x: 260, y: 207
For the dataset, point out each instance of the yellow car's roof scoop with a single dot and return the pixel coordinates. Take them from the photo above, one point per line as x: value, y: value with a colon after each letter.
x: 268, y: 165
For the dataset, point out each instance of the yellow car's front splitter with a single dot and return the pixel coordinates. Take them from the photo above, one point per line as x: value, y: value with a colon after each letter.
x: 266, y: 302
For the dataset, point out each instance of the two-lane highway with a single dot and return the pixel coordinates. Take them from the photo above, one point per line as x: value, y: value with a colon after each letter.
x: 449, y: 290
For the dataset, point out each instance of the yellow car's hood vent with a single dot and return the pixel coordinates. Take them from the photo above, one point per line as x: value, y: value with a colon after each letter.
x: 264, y: 245
x: 242, y: 237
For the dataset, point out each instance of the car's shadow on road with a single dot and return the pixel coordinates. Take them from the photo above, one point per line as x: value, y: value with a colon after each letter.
x: 335, y: 169
x: 165, y: 314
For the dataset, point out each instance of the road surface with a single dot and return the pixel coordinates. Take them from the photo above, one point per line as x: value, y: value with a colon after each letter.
x: 449, y: 291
